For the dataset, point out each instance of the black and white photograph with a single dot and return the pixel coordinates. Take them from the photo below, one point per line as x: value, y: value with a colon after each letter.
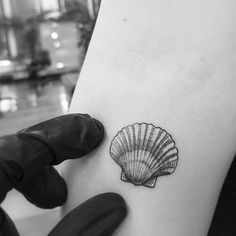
x: 117, y: 118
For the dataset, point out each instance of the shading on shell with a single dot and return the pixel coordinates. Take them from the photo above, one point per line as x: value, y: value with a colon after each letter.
x: 144, y: 152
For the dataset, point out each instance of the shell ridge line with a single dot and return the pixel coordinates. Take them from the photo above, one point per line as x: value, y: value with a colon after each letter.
x: 172, y: 157
x: 165, y: 143
x: 139, y: 147
x: 147, y: 171
x: 151, y: 157
x: 115, y: 152
x: 141, y: 141
x: 125, y: 136
x: 118, y: 146
x: 168, y: 150
x: 167, y: 163
x: 134, y: 154
x: 144, y: 169
x: 117, y: 161
x: 175, y: 148
x: 133, y: 144
x: 127, y: 131
x: 133, y: 167
x: 125, y: 147
x: 164, y: 155
x: 165, y: 170
x: 137, y: 157
x: 162, y: 140
x: 140, y: 153
x: 116, y: 149
x: 121, y: 149
x: 164, y: 162
x: 169, y: 159
x: 116, y: 157
x: 160, y: 143
x: 144, y: 138
x: 156, y: 160
x: 115, y: 143
x: 137, y: 151
x: 129, y: 138
x: 149, y: 142
x: 124, y: 143
x: 156, y: 142
x: 130, y: 149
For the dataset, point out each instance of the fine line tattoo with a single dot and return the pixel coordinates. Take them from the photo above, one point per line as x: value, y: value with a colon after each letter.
x: 144, y: 152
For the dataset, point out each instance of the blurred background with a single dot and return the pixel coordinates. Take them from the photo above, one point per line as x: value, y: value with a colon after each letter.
x: 42, y: 47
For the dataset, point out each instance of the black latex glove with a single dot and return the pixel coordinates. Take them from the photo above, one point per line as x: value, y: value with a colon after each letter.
x: 26, y: 160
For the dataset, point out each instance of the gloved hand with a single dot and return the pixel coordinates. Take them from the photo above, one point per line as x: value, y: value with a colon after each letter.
x: 26, y: 160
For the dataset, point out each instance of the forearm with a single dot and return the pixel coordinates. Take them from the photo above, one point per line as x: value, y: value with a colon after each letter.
x: 170, y: 64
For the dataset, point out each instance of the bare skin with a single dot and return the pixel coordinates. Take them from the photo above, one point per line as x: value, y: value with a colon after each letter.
x: 172, y: 64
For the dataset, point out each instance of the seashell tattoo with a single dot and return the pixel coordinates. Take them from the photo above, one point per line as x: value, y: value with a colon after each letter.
x: 144, y: 152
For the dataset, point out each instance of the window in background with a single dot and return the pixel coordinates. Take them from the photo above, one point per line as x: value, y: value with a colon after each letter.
x: 52, y: 5
x: 4, y: 52
x: 93, y: 7
x: 3, y: 44
x: 7, y: 25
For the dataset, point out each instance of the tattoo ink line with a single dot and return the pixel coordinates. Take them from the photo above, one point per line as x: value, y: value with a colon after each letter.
x: 144, y: 153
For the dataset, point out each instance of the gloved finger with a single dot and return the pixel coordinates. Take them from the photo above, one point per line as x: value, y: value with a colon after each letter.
x: 5, y: 185
x: 48, y: 143
x: 69, y: 136
x: 7, y: 227
x: 46, y: 189
x: 99, y: 216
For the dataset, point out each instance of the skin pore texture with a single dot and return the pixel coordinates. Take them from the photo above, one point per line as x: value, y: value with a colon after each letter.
x: 171, y: 64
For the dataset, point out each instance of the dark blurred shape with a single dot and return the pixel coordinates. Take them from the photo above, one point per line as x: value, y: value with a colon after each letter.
x: 86, y: 34
x: 40, y: 61
x: 224, y: 220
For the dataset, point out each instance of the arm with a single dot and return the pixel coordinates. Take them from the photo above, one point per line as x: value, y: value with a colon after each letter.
x: 170, y: 64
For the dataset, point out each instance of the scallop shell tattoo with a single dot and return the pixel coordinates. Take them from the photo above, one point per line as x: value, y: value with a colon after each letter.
x: 144, y: 152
